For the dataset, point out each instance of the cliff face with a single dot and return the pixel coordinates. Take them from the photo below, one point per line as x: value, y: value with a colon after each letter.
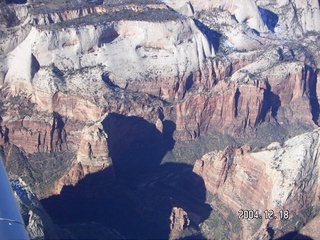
x: 285, y: 18
x: 38, y: 223
x: 74, y: 67
x: 86, y: 85
x: 277, y: 177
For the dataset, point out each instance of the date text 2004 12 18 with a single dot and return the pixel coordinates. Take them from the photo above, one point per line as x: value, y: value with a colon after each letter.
x: 267, y: 214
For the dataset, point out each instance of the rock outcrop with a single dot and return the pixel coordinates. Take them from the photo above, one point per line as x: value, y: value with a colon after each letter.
x: 92, y: 85
x: 78, y: 74
x: 93, y: 148
x: 311, y: 229
x: 179, y: 221
x: 285, y: 18
x: 276, y: 178
x: 38, y: 223
x: 291, y: 18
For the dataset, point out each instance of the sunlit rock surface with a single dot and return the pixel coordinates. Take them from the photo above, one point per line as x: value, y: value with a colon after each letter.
x: 38, y: 223
x: 167, y: 81
x: 278, y: 177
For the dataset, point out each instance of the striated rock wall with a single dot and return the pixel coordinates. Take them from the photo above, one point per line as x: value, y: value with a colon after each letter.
x: 179, y: 221
x: 47, y: 16
x: 63, y: 68
x: 220, y: 110
x: 279, y: 177
x: 87, y: 88
x: 170, y: 67
x: 252, y: 96
x: 41, y: 133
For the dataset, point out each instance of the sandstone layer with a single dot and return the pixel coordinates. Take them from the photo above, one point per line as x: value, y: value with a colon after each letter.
x: 179, y: 221
x: 278, y: 177
x: 87, y: 86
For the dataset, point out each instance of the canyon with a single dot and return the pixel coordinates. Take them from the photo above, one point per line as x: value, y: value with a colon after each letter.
x: 173, y: 115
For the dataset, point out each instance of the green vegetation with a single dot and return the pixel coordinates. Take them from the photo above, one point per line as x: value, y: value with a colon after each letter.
x: 194, y: 150
x: 214, y: 227
x: 50, y: 167
x: 256, y: 224
x: 18, y: 105
x: 296, y: 221
x: 116, y: 11
x: 150, y: 15
x: 18, y: 164
x: 41, y: 170
x: 232, y: 218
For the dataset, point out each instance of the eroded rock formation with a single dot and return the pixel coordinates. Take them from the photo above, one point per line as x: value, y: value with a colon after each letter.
x: 38, y: 223
x: 278, y: 177
x: 179, y: 221
x: 81, y: 78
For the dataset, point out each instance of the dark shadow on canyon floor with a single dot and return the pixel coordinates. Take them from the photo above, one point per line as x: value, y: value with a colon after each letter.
x: 137, y: 195
x: 294, y: 236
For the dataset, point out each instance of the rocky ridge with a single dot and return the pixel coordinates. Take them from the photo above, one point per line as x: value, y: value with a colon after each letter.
x: 191, y: 70
x: 280, y: 176
x: 38, y: 223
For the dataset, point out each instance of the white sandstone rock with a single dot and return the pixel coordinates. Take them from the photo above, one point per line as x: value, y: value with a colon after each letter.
x: 245, y: 11
x: 293, y: 168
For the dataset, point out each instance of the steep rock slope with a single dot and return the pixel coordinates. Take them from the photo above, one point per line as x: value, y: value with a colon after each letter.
x: 311, y: 228
x: 44, y: 69
x: 79, y: 78
x: 38, y: 223
x: 244, y: 11
x: 278, y: 177
x: 294, y: 18
x: 286, y: 18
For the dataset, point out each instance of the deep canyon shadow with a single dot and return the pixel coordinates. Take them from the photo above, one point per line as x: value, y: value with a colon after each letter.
x: 137, y: 194
x: 271, y: 104
x: 269, y: 18
x: 212, y: 36
x: 294, y: 236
